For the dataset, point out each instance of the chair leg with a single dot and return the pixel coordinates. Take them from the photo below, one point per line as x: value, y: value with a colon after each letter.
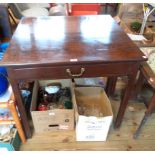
x: 151, y: 105
x: 138, y: 86
x: 14, y: 113
x: 12, y: 17
x: 136, y: 134
x: 147, y: 114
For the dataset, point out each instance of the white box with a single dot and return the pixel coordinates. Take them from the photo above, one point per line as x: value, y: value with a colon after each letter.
x: 94, y: 124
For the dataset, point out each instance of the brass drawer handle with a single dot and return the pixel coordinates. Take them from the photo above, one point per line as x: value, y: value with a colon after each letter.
x: 75, y: 75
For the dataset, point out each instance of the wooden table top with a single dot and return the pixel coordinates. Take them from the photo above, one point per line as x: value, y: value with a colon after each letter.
x: 69, y: 40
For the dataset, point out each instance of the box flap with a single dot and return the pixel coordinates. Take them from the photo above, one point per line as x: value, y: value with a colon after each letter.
x: 92, y: 101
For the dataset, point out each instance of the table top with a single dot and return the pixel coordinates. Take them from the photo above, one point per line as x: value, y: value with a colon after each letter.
x: 60, y: 40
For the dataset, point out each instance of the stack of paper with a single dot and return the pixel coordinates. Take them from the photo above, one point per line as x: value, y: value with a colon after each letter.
x: 136, y: 37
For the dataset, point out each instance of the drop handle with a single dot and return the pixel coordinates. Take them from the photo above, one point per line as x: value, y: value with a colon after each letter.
x: 75, y: 75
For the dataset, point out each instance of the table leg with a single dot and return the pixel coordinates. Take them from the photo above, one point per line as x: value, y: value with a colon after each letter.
x: 138, y: 85
x: 125, y: 98
x: 21, y: 108
x: 110, y: 86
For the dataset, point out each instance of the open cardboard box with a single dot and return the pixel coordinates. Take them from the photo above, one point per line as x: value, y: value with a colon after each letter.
x: 49, y: 120
x: 93, y: 113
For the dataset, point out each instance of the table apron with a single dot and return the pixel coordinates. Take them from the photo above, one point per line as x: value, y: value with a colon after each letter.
x: 59, y: 72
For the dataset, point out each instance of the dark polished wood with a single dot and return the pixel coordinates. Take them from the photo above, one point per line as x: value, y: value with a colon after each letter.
x: 110, y: 86
x: 45, y: 47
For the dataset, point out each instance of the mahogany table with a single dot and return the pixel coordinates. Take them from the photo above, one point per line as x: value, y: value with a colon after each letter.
x: 69, y: 47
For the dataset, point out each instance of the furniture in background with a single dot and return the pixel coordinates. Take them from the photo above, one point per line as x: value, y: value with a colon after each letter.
x: 130, y: 13
x: 148, y: 10
x: 11, y: 15
x: 97, y: 52
x: 59, y: 9
x: 20, y: 10
x: 8, y: 101
x: 106, y: 7
x: 77, y: 9
x: 147, y: 74
x: 5, y: 27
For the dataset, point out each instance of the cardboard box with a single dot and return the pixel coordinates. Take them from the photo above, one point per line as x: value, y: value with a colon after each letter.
x: 93, y: 114
x: 13, y: 144
x: 98, y: 81
x: 57, y: 119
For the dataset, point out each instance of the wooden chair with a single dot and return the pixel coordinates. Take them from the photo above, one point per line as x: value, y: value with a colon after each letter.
x: 146, y: 74
x: 10, y: 104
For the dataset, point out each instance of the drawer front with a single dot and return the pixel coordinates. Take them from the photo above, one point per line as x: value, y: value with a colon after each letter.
x: 63, y: 72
